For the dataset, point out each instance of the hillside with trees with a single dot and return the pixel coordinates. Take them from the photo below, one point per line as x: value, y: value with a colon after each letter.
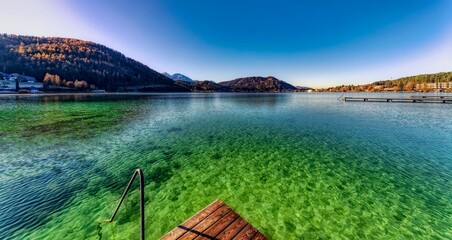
x: 246, y: 84
x: 258, y: 84
x: 424, y: 82
x: 80, y: 63
x: 418, y: 79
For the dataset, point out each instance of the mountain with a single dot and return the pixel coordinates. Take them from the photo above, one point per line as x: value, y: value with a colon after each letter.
x: 247, y: 84
x: 72, y: 59
x: 258, y: 84
x: 303, y: 88
x: 167, y: 75
x: 178, y: 77
x: 203, y: 86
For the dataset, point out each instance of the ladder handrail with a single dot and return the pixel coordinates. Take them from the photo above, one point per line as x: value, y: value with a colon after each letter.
x: 138, y: 172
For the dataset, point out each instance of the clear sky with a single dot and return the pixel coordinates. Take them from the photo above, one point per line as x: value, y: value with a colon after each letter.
x: 309, y: 43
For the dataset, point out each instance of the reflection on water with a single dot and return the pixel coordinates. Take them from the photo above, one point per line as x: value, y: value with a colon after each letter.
x: 294, y: 165
x: 257, y: 99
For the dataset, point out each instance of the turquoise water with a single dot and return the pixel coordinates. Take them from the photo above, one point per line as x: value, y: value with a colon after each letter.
x: 296, y: 166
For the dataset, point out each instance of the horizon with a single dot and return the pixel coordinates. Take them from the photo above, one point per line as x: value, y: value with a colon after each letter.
x: 304, y: 44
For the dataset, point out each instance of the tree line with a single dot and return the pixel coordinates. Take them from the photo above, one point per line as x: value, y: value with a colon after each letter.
x: 54, y: 80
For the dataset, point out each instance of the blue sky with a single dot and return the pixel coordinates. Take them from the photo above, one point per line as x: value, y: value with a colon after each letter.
x: 309, y: 43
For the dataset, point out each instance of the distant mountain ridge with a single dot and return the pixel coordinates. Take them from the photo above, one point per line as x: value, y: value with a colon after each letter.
x: 258, y: 84
x: 203, y: 86
x: 178, y: 77
x: 247, y: 84
x: 74, y: 59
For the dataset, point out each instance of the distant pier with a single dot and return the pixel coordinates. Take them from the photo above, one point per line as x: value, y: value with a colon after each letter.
x: 412, y: 99
x: 431, y: 97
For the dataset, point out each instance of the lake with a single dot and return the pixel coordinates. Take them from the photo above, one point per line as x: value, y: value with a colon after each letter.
x: 294, y: 165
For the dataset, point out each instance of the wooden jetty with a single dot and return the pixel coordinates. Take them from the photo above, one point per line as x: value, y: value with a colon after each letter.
x: 431, y: 97
x: 398, y: 100
x: 215, y: 222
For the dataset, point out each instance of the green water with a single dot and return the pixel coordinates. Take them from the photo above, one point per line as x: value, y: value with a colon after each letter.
x: 296, y: 166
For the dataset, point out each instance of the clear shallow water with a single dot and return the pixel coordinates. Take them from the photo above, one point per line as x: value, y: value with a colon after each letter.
x: 294, y: 165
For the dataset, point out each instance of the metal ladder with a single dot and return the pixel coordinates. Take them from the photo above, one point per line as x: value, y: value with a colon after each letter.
x: 138, y: 172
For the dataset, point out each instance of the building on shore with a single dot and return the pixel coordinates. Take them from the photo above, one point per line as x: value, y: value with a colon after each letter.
x: 434, y: 86
x: 8, y: 83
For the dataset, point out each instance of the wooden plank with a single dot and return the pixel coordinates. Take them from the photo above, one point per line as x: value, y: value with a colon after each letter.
x: 206, y: 223
x: 215, y: 222
x: 219, y: 226
x: 259, y: 236
x: 198, y: 217
x: 247, y: 233
x: 232, y: 229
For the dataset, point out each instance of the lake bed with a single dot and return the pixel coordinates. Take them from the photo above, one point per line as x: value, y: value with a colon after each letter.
x: 294, y: 165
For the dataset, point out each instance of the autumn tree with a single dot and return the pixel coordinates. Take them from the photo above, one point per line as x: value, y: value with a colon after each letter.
x: 47, y: 79
x: 21, y: 49
x: 56, y: 80
x: 409, y: 86
x: 50, y: 79
x: 70, y: 84
x: 80, y: 84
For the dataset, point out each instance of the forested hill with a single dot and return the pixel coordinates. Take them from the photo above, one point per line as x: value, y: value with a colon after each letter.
x: 74, y: 59
x: 258, y: 84
x: 423, y: 78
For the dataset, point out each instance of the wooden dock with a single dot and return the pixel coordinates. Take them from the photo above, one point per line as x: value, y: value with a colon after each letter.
x: 216, y: 221
x: 431, y: 97
x: 399, y: 100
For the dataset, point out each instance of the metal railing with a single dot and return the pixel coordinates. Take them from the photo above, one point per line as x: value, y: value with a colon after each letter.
x: 138, y: 172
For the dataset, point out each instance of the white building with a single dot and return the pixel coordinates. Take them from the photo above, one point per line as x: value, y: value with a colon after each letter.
x: 438, y: 85
x: 8, y: 82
